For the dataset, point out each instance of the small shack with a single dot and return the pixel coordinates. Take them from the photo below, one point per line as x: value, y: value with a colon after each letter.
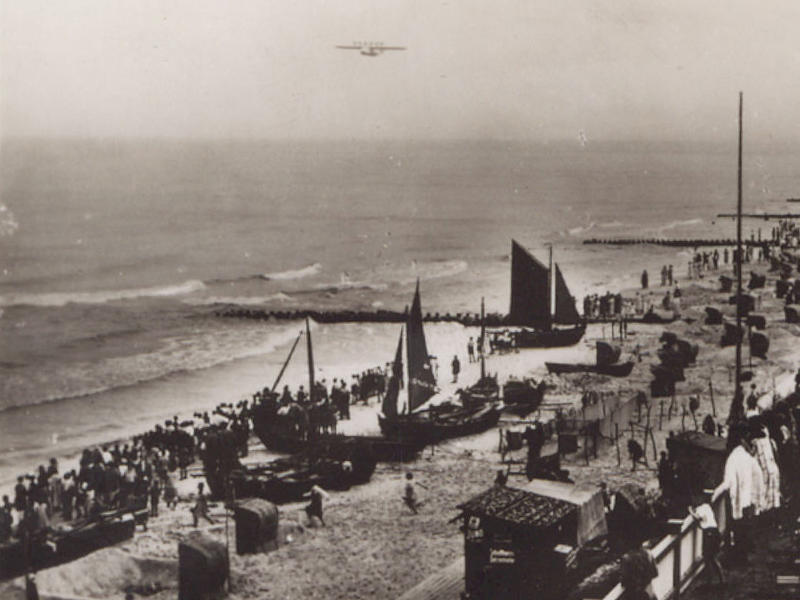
x: 699, y: 457
x: 256, y: 526
x: 202, y: 569
x: 526, y: 541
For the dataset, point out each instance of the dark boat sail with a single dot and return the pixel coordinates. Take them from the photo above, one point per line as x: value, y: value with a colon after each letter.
x: 540, y: 299
x: 436, y: 422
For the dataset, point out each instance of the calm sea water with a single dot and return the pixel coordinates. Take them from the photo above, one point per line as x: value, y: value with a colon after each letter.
x: 113, y: 255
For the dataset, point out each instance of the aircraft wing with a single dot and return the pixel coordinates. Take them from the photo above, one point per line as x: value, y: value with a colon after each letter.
x: 390, y: 48
x: 349, y: 47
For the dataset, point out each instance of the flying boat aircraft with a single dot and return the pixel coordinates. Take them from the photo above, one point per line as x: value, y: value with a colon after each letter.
x: 370, y: 48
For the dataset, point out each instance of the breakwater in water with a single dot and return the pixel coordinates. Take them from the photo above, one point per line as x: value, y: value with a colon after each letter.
x: 358, y: 316
x: 680, y: 243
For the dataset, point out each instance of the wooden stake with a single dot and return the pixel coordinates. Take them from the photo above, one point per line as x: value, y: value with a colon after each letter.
x: 616, y: 440
x: 660, y: 412
x: 713, y: 405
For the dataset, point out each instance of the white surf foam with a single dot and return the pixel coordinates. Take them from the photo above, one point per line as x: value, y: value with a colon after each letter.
x: 306, y: 271
x: 100, y: 297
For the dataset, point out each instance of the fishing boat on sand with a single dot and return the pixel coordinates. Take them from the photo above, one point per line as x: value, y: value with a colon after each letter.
x: 540, y: 300
x: 294, y: 429
x: 606, y: 363
x: 410, y: 421
x: 51, y: 548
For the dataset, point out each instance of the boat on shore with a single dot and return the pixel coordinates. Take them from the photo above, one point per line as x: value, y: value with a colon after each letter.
x: 606, y: 363
x: 409, y: 421
x: 540, y: 302
x: 46, y: 549
x: 286, y: 429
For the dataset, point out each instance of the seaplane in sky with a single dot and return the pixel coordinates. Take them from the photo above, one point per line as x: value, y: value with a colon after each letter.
x: 370, y: 48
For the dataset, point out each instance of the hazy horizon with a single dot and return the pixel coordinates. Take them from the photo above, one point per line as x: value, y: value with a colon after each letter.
x: 574, y: 70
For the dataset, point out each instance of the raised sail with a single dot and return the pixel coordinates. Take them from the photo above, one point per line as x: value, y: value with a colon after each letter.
x: 389, y: 406
x: 530, y: 303
x: 421, y: 381
x: 565, y: 313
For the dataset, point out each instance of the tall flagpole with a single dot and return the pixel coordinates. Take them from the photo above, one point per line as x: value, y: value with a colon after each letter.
x: 738, y: 396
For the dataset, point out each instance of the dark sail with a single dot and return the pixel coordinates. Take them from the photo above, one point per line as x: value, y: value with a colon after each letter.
x: 389, y: 407
x: 421, y: 382
x: 530, y: 304
x: 566, y: 313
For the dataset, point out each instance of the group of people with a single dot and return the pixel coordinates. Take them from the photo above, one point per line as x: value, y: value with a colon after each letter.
x: 131, y: 476
x: 602, y: 306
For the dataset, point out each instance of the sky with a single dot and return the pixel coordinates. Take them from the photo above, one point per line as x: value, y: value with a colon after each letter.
x: 506, y: 69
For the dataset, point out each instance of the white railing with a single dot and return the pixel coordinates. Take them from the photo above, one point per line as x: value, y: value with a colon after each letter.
x: 679, y: 556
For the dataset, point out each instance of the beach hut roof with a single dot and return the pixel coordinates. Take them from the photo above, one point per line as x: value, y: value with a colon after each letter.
x: 518, y: 507
x: 586, y: 498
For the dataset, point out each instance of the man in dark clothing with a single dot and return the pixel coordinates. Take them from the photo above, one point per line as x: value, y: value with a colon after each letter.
x: 314, y: 509
x: 456, y: 368
x: 20, y: 495
x: 155, y: 495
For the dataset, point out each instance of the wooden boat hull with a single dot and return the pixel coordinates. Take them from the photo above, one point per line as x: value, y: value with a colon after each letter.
x: 59, y: 548
x: 430, y: 428
x: 615, y: 370
x: 522, y: 397
x: 555, y: 338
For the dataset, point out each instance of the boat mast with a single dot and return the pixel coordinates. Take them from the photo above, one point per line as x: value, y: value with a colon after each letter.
x: 286, y: 364
x: 482, y: 341
x: 738, y: 396
x: 551, y: 289
x: 310, y: 363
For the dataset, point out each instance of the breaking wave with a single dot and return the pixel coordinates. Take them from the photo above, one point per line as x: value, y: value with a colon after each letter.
x: 293, y: 273
x: 676, y: 224
x: 8, y: 223
x: 435, y: 270
x: 56, y: 299
x: 240, y: 300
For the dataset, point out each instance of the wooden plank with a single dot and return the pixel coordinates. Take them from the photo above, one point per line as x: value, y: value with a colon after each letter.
x: 445, y: 584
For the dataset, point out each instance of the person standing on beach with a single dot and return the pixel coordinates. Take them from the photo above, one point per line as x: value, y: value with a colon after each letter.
x: 669, y: 275
x: 155, y: 495
x: 410, y: 494
x: 471, y: 350
x: 201, y: 507
x: 456, y: 368
x: 644, y: 279
x: 314, y: 508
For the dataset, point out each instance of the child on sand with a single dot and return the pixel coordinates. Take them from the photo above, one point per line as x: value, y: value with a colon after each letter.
x: 410, y: 496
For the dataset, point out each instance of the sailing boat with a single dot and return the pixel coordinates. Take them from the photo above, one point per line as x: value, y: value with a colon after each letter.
x: 406, y: 421
x: 284, y: 432
x: 540, y: 299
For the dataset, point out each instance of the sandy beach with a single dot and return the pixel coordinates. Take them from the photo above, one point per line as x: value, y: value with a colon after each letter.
x: 372, y: 547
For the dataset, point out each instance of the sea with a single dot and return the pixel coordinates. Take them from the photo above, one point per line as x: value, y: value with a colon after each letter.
x: 115, y: 256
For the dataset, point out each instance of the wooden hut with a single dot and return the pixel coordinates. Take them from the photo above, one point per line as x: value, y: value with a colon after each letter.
x: 525, y: 542
x: 202, y: 569
x: 759, y: 344
x: 713, y: 316
x: 757, y: 321
x: 792, y: 312
x: 700, y: 458
x: 256, y: 525
x: 756, y: 281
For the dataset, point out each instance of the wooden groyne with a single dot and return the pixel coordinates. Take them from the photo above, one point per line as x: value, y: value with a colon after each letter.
x: 764, y: 216
x: 680, y: 243
x: 354, y: 316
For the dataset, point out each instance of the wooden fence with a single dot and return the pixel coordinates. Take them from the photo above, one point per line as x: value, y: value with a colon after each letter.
x: 679, y: 556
